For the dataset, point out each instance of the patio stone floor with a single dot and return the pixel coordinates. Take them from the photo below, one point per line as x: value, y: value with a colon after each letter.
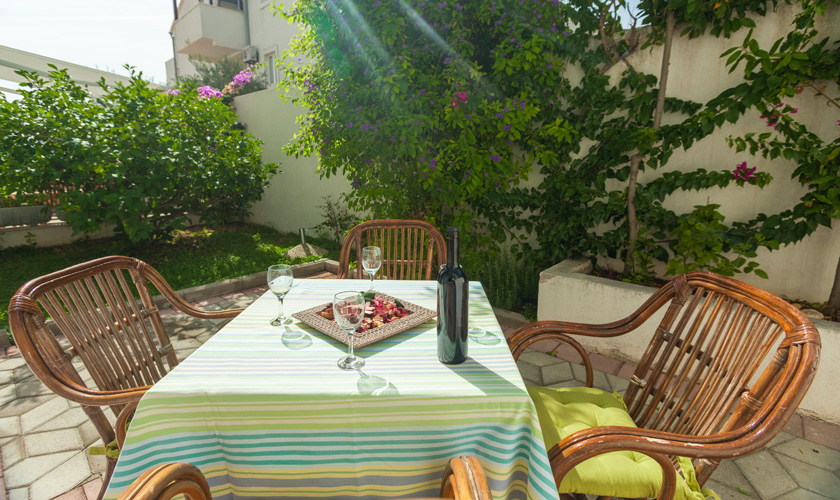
x: 44, y: 438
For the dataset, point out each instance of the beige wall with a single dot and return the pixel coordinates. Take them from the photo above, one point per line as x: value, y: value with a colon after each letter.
x: 293, y: 199
x: 802, y: 271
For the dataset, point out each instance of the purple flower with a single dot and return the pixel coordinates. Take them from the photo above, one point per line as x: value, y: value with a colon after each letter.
x: 177, y: 92
x: 742, y: 172
x: 499, y: 115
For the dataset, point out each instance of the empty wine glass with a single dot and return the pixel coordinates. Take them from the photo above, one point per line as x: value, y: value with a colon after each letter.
x: 280, y: 278
x: 349, y: 310
x: 371, y: 261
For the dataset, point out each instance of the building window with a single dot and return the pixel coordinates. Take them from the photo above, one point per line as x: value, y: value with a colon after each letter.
x: 271, y: 69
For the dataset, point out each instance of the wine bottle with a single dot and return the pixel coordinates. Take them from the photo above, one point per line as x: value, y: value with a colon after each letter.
x: 452, y: 305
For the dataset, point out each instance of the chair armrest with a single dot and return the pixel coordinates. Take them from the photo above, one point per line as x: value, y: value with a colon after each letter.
x: 166, y: 481
x: 179, y: 303
x: 123, y: 419
x: 464, y: 479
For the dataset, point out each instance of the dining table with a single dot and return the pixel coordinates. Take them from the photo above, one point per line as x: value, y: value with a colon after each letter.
x: 264, y: 411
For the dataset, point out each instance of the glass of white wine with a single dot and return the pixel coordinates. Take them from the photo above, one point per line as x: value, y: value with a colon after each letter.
x: 280, y: 278
x: 349, y: 310
x: 371, y: 261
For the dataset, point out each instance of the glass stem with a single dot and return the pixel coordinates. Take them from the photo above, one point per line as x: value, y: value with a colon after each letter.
x: 350, y: 346
x: 280, y: 316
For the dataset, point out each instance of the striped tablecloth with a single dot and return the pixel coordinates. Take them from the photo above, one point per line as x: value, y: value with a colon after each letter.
x: 265, y: 412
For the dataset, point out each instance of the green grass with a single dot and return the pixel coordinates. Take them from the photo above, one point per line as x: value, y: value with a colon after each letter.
x: 193, y: 257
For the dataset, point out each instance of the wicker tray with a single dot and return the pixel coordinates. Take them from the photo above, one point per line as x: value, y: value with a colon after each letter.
x: 418, y: 316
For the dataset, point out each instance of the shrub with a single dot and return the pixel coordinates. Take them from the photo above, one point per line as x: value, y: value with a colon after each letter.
x: 136, y: 158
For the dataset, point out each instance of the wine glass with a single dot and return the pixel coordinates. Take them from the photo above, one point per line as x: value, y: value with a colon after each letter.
x: 349, y: 310
x: 280, y: 278
x: 371, y: 261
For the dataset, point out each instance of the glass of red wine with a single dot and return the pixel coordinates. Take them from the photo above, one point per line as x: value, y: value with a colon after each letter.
x: 349, y: 310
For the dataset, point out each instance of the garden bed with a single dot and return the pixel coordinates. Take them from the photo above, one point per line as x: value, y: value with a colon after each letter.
x: 195, y: 256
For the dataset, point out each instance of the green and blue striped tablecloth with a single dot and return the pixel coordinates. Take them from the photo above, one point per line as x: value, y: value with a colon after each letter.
x: 265, y: 412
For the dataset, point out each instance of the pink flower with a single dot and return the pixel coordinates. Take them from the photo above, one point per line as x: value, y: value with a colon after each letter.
x: 454, y: 102
x: 462, y: 96
x: 742, y: 172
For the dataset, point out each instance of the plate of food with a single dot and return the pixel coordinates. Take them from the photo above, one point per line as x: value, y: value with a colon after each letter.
x: 384, y: 316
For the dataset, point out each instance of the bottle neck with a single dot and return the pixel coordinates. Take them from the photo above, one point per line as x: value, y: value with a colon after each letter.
x: 452, y: 251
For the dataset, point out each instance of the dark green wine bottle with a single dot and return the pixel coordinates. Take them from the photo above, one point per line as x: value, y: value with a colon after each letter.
x: 452, y: 305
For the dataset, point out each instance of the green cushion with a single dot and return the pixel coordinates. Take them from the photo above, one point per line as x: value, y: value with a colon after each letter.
x: 564, y: 411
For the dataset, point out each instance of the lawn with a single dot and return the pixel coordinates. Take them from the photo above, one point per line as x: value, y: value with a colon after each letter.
x: 193, y: 257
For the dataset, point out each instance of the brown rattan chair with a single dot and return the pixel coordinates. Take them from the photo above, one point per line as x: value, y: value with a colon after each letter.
x: 411, y: 249
x: 727, y: 367
x: 463, y: 479
x: 121, y: 341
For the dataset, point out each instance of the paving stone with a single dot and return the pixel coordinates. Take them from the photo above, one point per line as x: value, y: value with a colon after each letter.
x: 568, y: 383
x: 546, y: 346
x: 190, y: 333
x: 821, y: 432
x: 557, y: 372
x: 617, y: 384
x: 27, y: 471
x: 70, y: 419
x: 802, y: 494
x: 180, y: 345
x: 23, y: 405
x: 19, y: 494
x: 92, y: 488
x: 765, y: 474
x: 626, y: 371
x: 74, y: 494
x: 32, y: 419
x: 13, y: 452
x: 23, y: 373
x: 7, y: 377
x: 604, y: 364
x: 780, y: 438
x: 725, y: 492
x: 88, y: 433
x: 42, y: 443
x: 794, y: 426
x: 531, y: 374
x: 63, y: 478
x: 9, y: 426
x: 32, y: 387
x: 599, y: 379
x: 808, y: 452
x: 7, y: 394
x: 730, y: 475
x: 811, y: 478
x: 97, y: 463
x: 537, y: 358
x: 11, y: 363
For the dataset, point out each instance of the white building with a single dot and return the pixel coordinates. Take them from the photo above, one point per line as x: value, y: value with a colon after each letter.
x: 212, y: 29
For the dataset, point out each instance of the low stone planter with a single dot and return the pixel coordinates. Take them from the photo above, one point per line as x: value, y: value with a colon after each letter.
x: 21, y: 216
x: 565, y: 294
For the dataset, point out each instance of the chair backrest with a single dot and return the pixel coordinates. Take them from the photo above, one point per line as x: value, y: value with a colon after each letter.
x: 121, y: 342
x: 411, y: 249
x: 726, y: 355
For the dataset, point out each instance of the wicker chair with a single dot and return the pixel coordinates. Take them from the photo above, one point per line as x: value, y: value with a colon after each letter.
x: 121, y: 342
x: 411, y: 249
x: 463, y: 479
x: 690, y: 395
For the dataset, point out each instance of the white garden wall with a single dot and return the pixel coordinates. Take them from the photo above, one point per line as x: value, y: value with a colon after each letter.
x: 293, y: 198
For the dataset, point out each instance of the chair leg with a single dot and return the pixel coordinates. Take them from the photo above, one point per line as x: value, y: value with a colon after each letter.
x: 109, y: 470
